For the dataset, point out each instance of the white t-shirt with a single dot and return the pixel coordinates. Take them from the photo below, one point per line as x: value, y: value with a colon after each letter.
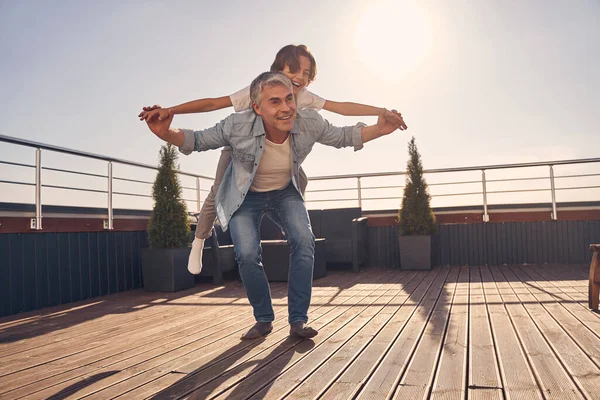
x: 275, y: 168
x: 304, y: 99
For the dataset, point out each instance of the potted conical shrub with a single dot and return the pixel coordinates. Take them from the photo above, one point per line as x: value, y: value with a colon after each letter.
x: 164, y: 264
x: 416, y: 222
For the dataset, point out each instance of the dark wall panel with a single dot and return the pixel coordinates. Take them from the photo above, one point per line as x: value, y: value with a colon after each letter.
x: 5, y: 295
x: 45, y: 269
x: 496, y: 243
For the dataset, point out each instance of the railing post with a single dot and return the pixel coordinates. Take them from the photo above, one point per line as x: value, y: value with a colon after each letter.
x: 109, y: 224
x: 486, y: 217
x: 198, y: 194
x: 359, y: 192
x: 37, y: 222
x: 553, y: 193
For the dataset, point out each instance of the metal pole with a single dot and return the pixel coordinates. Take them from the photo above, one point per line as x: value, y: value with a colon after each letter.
x: 553, y: 192
x: 198, y: 194
x: 110, y: 196
x: 359, y: 192
x: 486, y: 217
x: 38, y: 189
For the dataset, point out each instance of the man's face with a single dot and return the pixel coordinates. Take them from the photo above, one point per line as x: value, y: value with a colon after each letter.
x: 277, y: 108
x: 299, y: 78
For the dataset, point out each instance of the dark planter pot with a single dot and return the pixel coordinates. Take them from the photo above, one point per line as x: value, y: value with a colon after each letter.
x: 165, y: 270
x: 415, y: 252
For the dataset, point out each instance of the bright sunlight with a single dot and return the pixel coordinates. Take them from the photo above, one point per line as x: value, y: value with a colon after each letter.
x: 393, y: 37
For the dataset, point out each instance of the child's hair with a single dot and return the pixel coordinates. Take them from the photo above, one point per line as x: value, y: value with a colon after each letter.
x: 290, y: 55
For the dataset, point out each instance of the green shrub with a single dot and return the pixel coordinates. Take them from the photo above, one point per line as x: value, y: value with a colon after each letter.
x: 169, y: 226
x: 415, y: 217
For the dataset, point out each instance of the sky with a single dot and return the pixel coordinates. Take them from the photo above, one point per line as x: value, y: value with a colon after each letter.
x: 478, y: 82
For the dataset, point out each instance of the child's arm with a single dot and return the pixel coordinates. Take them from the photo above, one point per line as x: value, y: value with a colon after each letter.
x: 195, y: 106
x: 351, y: 109
x: 202, y: 105
x: 357, y: 109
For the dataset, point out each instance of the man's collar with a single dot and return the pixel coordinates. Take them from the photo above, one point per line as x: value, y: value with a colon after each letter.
x: 295, y: 128
x: 258, y: 128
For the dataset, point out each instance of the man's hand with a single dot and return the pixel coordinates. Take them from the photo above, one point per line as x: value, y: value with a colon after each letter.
x: 160, y: 127
x: 153, y: 112
x: 387, y: 122
x: 394, y: 117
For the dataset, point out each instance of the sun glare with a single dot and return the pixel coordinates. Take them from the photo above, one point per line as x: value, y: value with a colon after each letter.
x: 393, y: 37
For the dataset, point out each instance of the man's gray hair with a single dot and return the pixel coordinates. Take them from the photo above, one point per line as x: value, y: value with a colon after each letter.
x: 267, y: 79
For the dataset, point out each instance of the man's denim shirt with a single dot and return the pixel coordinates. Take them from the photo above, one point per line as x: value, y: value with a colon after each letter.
x: 245, y: 134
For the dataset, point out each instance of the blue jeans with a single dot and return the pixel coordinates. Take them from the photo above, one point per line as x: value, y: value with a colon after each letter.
x: 286, y: 208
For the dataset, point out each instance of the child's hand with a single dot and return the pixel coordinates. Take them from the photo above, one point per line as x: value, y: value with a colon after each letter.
x: 153, y: 112
x: 394, y: 117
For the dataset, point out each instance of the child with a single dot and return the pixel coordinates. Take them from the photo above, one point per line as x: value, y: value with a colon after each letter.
x: 298, y: 64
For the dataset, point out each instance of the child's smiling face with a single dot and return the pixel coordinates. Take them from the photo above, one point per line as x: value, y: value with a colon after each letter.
x: 300, y: 77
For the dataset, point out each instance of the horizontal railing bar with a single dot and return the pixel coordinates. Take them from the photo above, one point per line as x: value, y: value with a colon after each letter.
x: 518, y: 179
x: 454, y: 183
x: 457, y: 194
x: 132, y: 194
x: 381, y: 187
x: 382, y: 198
x: 30, y: 143
x: 575, y: 176
x: 17, y: 183
x: 132, y: 180
x: 461, y: 169
x: 17, y: 164
x: 519, y: 191
x: 74, y: 172
x: 578, y: 187
x: 330, y: 190
x: 315, y: 201
x: 74, y: 188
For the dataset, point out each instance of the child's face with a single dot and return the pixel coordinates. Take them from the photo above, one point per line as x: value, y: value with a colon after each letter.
x: 299, y: 78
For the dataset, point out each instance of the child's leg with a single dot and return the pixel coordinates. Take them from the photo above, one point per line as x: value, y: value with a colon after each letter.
x: 208, y: 213
x: 303, y: 181
x: 207, y: 216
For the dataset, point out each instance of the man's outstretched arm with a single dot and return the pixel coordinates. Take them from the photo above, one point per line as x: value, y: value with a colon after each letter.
x: 355, y: 135
x: 162, y: 129
x: 383, y: 127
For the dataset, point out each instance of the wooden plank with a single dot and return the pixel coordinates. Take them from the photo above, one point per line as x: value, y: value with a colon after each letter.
x: 582, y: 370
x: 62, y: 344
x: 103, y: 364
x: 552, y: 378
x: 585, y: 338
x: 348, y: 384
x: 306, y: 367
x: 451, y: 376
x: 574, y: 304
x: 388, y: 373
x: 324, y: 375
x: 484, y: 376
x: 138, y: 341
x: 158, y: 364
x: 328, y: 323
x: 418, y: 378
x: 517, y: 376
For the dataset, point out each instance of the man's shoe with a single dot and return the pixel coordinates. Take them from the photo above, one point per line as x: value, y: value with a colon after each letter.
x: 259, y: 329
x: 299, y: 329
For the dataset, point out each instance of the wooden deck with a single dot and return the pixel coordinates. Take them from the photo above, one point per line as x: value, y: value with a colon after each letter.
x: 515, y: 332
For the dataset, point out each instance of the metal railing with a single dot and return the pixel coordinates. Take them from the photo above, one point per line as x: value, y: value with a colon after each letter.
x: 484, y: 192
x: 357, y: 191
x: 36, y: 223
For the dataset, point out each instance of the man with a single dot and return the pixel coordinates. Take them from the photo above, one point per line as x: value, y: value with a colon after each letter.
x: 268, y: 145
